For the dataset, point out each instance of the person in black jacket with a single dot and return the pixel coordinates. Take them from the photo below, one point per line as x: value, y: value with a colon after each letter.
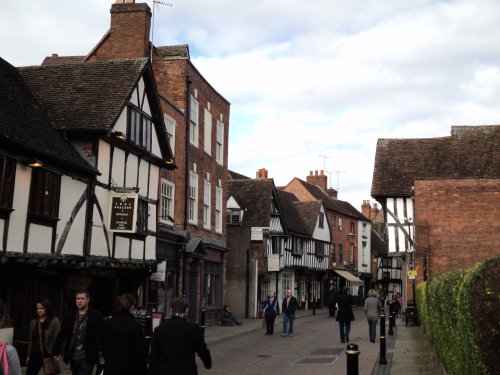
x: 288, y: 307
x: 80, y: 331
x: 345, y: 314
x: 175, y: 343
x: 122, y: 341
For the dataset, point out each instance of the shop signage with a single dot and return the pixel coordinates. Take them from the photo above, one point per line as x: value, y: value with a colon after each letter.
x: 273, y: 262
x: 122, y: 212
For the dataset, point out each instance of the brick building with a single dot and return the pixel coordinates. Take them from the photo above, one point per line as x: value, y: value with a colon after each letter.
x: 441, y: 198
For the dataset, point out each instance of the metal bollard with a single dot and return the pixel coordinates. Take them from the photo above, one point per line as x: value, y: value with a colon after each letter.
x: 383, y: 358
x: 352, y: 354
x: 202, y: 320
x: 391, y: 324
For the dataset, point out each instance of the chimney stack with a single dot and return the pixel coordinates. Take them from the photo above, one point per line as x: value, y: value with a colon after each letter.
x: 318, y: 180
x: 261, y: 174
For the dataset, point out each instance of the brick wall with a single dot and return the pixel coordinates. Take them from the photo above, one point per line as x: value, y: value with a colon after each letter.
x: 457, y: 223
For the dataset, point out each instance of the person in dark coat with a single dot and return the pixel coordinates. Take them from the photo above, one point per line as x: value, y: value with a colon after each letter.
x: 332, y: 301
x: 175, y: 343
x: 122, y: 339
x: 271, y: 310
x: 289, y: 306
x: 80, y: 331
x: 345, y: 314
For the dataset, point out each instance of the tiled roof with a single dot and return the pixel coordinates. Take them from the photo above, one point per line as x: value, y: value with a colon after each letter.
x: 232, y: 175
x: 255, y: 197
x: 57, y: 60
x: 309, y: 212
x: 85, y: 96
x: 470, y: 152
x: 26, y: 127
x: 174, y: 52
x: 378, y: 245
x: 291, y: 216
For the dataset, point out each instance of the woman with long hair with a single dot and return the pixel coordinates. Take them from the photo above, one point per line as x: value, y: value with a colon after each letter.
x: 43, y: 332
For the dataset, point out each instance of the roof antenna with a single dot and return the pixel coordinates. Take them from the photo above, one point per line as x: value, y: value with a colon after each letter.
x: 156, y: 3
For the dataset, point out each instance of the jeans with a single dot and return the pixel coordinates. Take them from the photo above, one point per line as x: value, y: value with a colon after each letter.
x: 345, y: 328
x: 288, y: 323
x: 81, y: 367
x: 372, y: 329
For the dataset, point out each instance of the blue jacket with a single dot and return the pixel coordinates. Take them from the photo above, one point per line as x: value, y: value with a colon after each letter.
x: 271, y: 308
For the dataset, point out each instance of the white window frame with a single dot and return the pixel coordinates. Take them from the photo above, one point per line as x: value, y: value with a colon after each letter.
x: 207, y: 196
x: 219, y: 147
x: 167, y: 199
x: 193, y: 198
x: 218, y: 210
x: 194, y: 119
x: 208, y: 132
x: 170, y: 127
x: 341, y: 223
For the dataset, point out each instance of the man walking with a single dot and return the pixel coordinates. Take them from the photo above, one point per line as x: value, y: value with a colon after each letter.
x: 80, y: 331
x: 288, y: 306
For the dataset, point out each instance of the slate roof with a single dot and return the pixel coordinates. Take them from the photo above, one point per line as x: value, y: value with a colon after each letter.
x: 377, y: 244
x: 85, y: 96
x: 255, y: 196
x: 232, y: 175
x: 26, y: 128
x: 470, y: 152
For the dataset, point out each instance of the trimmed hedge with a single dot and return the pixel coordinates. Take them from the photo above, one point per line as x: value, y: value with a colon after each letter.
x: 460, y: 313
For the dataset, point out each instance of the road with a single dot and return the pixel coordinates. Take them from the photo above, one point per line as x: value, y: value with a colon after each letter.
x: 314, y: 349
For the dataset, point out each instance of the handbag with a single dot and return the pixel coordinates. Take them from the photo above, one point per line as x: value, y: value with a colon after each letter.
x: 50, y: 366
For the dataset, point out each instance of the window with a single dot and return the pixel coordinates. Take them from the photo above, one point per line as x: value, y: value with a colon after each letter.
x: 139, y: 128
x: 351, y: 253
x: 341, y: 223
x: 364, y: 229
x: 7, y: 176
x: 298, y: 246
x: 319, y: 250
x: 170, y: 126
x: 44, y: 193
x: 208, y: 132
x: 334, y: 255
x: 194, y: 119
x: 265, y: 288
x: 341, y: 258
x: 193, y: 198
x: 351, y: 228
x: 286, y: 283
x: 218, y: 210
x: 219, y: 147
x: 276, y: 244
x: 142, y: 216
x: 233, y: 216
x: 212, y: 284
x: 321, y: 223
x: 334, y: 223
x: 167, y: 202
x: 206, y: 204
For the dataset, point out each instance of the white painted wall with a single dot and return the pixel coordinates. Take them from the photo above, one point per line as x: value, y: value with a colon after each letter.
x: 137, y: 249
x: 117, y: 173
x: 40, y: 238
x: 150, y: 248
x: 364, y: 251
x: 132, y: 166
x: 121, y: 247
x: 322, y: 234
x: 103, y: 161
x: 121, y: 122
x: 143, y: 178
x: 98, y: 246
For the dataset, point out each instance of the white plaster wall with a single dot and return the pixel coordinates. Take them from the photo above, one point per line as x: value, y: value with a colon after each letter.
x: 121, y: 247
x: 98, y: 246
x: 118, y: 167
x: 39, y: 239
x: 150, y: 247
x: 143, y: 178
x: 103, y: 161
x: 322, y: 234
x: 152, y: 219
x: 2, y: 226
x: 137, y: 249
x: 141, y: 86
x: 133, y: 98
x: 154, y: 184
x: 364, y: 257
x: 132, y: 165
x: 20, y: 204
x: 71, y: 191
x: 121, y: 122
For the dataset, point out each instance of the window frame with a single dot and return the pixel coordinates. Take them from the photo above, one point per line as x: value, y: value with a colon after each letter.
x: 219, y: 145
x: 139, y: 128
x: 218, y: 209
x: 44, y: 204
x: 193, y: 198
x: 167, y: 209
x: 212, y: 272
x: 7, y: 182
x: 194, y: 120
x: 207, y: 196
x: 170, y: 125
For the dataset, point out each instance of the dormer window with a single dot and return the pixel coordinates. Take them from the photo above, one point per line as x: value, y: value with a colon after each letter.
x: 321, y: 220
x: 139, y: 128
x: 233, y: 216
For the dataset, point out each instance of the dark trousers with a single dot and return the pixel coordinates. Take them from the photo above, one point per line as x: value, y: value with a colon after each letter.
x: 35, y: 364
x: 270, y: 324
x: 345, y: 328
x: 372, y: 329
x: 288, y: 323
x: 81, y: 367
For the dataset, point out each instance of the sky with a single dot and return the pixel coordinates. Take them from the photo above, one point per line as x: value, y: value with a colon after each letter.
x: 312, y: 84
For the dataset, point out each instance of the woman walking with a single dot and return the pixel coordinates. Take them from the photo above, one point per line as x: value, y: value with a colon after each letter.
x: 345, y: 315
x: 372, y: 311
x: 271, y: 310
x: 44, y: 330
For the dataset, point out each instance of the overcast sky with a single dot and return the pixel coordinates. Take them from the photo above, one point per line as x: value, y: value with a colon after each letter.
x: 306, y: 78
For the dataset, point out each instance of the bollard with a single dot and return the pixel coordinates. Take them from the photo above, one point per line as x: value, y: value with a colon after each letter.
x: 383, y: 358
x: 391, y: 324
x: 314, y: 307
x: 202, y: 320
x: 352, y: 354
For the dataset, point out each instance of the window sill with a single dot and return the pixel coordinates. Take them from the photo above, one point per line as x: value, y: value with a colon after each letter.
x: 5, y: 212
x: 42, y: 219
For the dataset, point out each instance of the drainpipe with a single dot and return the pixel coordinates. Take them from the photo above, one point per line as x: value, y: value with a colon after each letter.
x: 189, y: 81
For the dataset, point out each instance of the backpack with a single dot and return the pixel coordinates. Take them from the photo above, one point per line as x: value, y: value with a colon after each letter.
x: 4, y: 363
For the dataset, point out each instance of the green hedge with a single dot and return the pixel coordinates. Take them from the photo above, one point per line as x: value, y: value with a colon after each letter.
x: 459, y: 311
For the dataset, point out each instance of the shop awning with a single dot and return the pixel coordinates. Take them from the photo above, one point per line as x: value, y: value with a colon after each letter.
x: 349, y: 277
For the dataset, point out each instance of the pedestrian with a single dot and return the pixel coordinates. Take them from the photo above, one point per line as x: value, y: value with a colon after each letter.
x: 175, y: 343
x: 372, y: 311
x: 345, y: 314
x: 399, y: 303
x: 381, y: 296
x: 43, y: 333
x: 332, y: 301
x: 228, y: 318
x: 80, y: 332
x: 122, y: 340
x: 288, y: 307
x: 271, y: 310
x: 9, y: 360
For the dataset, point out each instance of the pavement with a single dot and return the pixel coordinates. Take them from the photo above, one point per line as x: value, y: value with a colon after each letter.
x: 408, y: 351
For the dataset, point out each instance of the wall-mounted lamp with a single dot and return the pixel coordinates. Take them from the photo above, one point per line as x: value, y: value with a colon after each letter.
x: 169, y: 162
x: 118, y: 135
x: 35, y: 163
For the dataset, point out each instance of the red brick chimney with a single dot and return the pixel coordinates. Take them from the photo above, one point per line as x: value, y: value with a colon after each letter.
x: 261, y: 174
x: 366, y: 209
x: 318, y: 179
x: 128, y: 35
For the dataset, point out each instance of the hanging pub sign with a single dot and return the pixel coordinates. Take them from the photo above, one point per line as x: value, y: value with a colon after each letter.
x: 122, y: 212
